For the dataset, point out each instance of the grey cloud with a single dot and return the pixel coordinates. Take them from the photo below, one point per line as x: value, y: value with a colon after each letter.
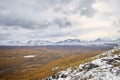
x: 14, y: 13
x: 118, y: 31
x: 20, y: 22
x: 47, y: 15
x: 116, y: 22
x: 43, y: 34
x: 4, y: 36
x: 12, y: 21
x: 54, y: 2
x: 47, y: 35
x: 61, y: 22
x: 58, y: 22
x: 85, y: 8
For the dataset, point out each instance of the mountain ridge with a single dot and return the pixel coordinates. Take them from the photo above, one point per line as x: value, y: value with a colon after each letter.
x: 64, y: 42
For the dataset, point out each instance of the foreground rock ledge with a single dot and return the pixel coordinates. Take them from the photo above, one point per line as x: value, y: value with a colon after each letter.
x: 105, y: 66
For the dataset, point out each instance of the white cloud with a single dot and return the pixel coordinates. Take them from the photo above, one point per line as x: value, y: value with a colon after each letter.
x: 58, y: 19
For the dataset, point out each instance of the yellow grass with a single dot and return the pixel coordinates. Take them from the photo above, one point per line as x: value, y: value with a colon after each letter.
x: 31, y: 70
x: 63, y: 63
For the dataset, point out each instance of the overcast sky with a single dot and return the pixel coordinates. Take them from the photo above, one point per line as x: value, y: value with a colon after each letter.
x: 55, y: 20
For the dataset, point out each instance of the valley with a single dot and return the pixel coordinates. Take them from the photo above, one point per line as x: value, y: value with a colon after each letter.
x: 38, y: 62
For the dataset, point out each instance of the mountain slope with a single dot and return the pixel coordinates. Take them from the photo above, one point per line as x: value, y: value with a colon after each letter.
x: 105, y: 66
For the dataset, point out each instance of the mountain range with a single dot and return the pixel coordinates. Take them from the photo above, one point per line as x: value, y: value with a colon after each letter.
x: 64, y: 42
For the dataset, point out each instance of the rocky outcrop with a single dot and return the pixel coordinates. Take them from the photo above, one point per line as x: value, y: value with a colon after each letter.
x: 106, y: 67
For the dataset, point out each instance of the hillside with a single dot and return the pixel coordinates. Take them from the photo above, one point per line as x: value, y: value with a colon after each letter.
x: 37, y: 62
x: 105, y: 66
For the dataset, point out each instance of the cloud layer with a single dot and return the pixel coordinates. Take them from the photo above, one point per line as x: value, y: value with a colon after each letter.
x: 59, y: 19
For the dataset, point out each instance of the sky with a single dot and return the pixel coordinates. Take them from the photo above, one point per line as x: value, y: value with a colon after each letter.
x: 56, y: 20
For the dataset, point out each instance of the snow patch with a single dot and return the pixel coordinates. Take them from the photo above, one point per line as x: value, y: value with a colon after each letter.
x: 101, y: 68
x: 29, y: 56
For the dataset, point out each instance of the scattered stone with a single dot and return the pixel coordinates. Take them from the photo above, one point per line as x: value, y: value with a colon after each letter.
x: 101, y: 68
x: 63, y: 76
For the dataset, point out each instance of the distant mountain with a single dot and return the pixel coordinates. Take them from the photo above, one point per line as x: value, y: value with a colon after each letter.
x: 69, y: 42
x: 38, y: 42
x: 64, y: 42
x: 106, y: 41
x: 72, y: 41
x: 99, y: 40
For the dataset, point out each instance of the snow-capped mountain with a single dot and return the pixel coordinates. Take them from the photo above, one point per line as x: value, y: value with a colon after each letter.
x: 72, y: 41
x: 104, y: 42
x: 38, y: 42
x: 105, y: 66
x: 64, y: 42
x: 91, y: 42
x: 69, y: 42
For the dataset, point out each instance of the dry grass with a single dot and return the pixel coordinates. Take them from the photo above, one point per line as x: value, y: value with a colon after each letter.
x: 117, y: 52
x: 40, y: 66
x: 63, y: 63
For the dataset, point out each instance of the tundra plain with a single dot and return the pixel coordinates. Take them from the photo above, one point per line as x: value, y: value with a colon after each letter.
x: 38, y: 62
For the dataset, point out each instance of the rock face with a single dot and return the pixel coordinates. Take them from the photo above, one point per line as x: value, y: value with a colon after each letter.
x: 104, y: 67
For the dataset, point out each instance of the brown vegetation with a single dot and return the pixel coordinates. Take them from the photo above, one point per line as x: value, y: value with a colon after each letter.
x: 13, y: 66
